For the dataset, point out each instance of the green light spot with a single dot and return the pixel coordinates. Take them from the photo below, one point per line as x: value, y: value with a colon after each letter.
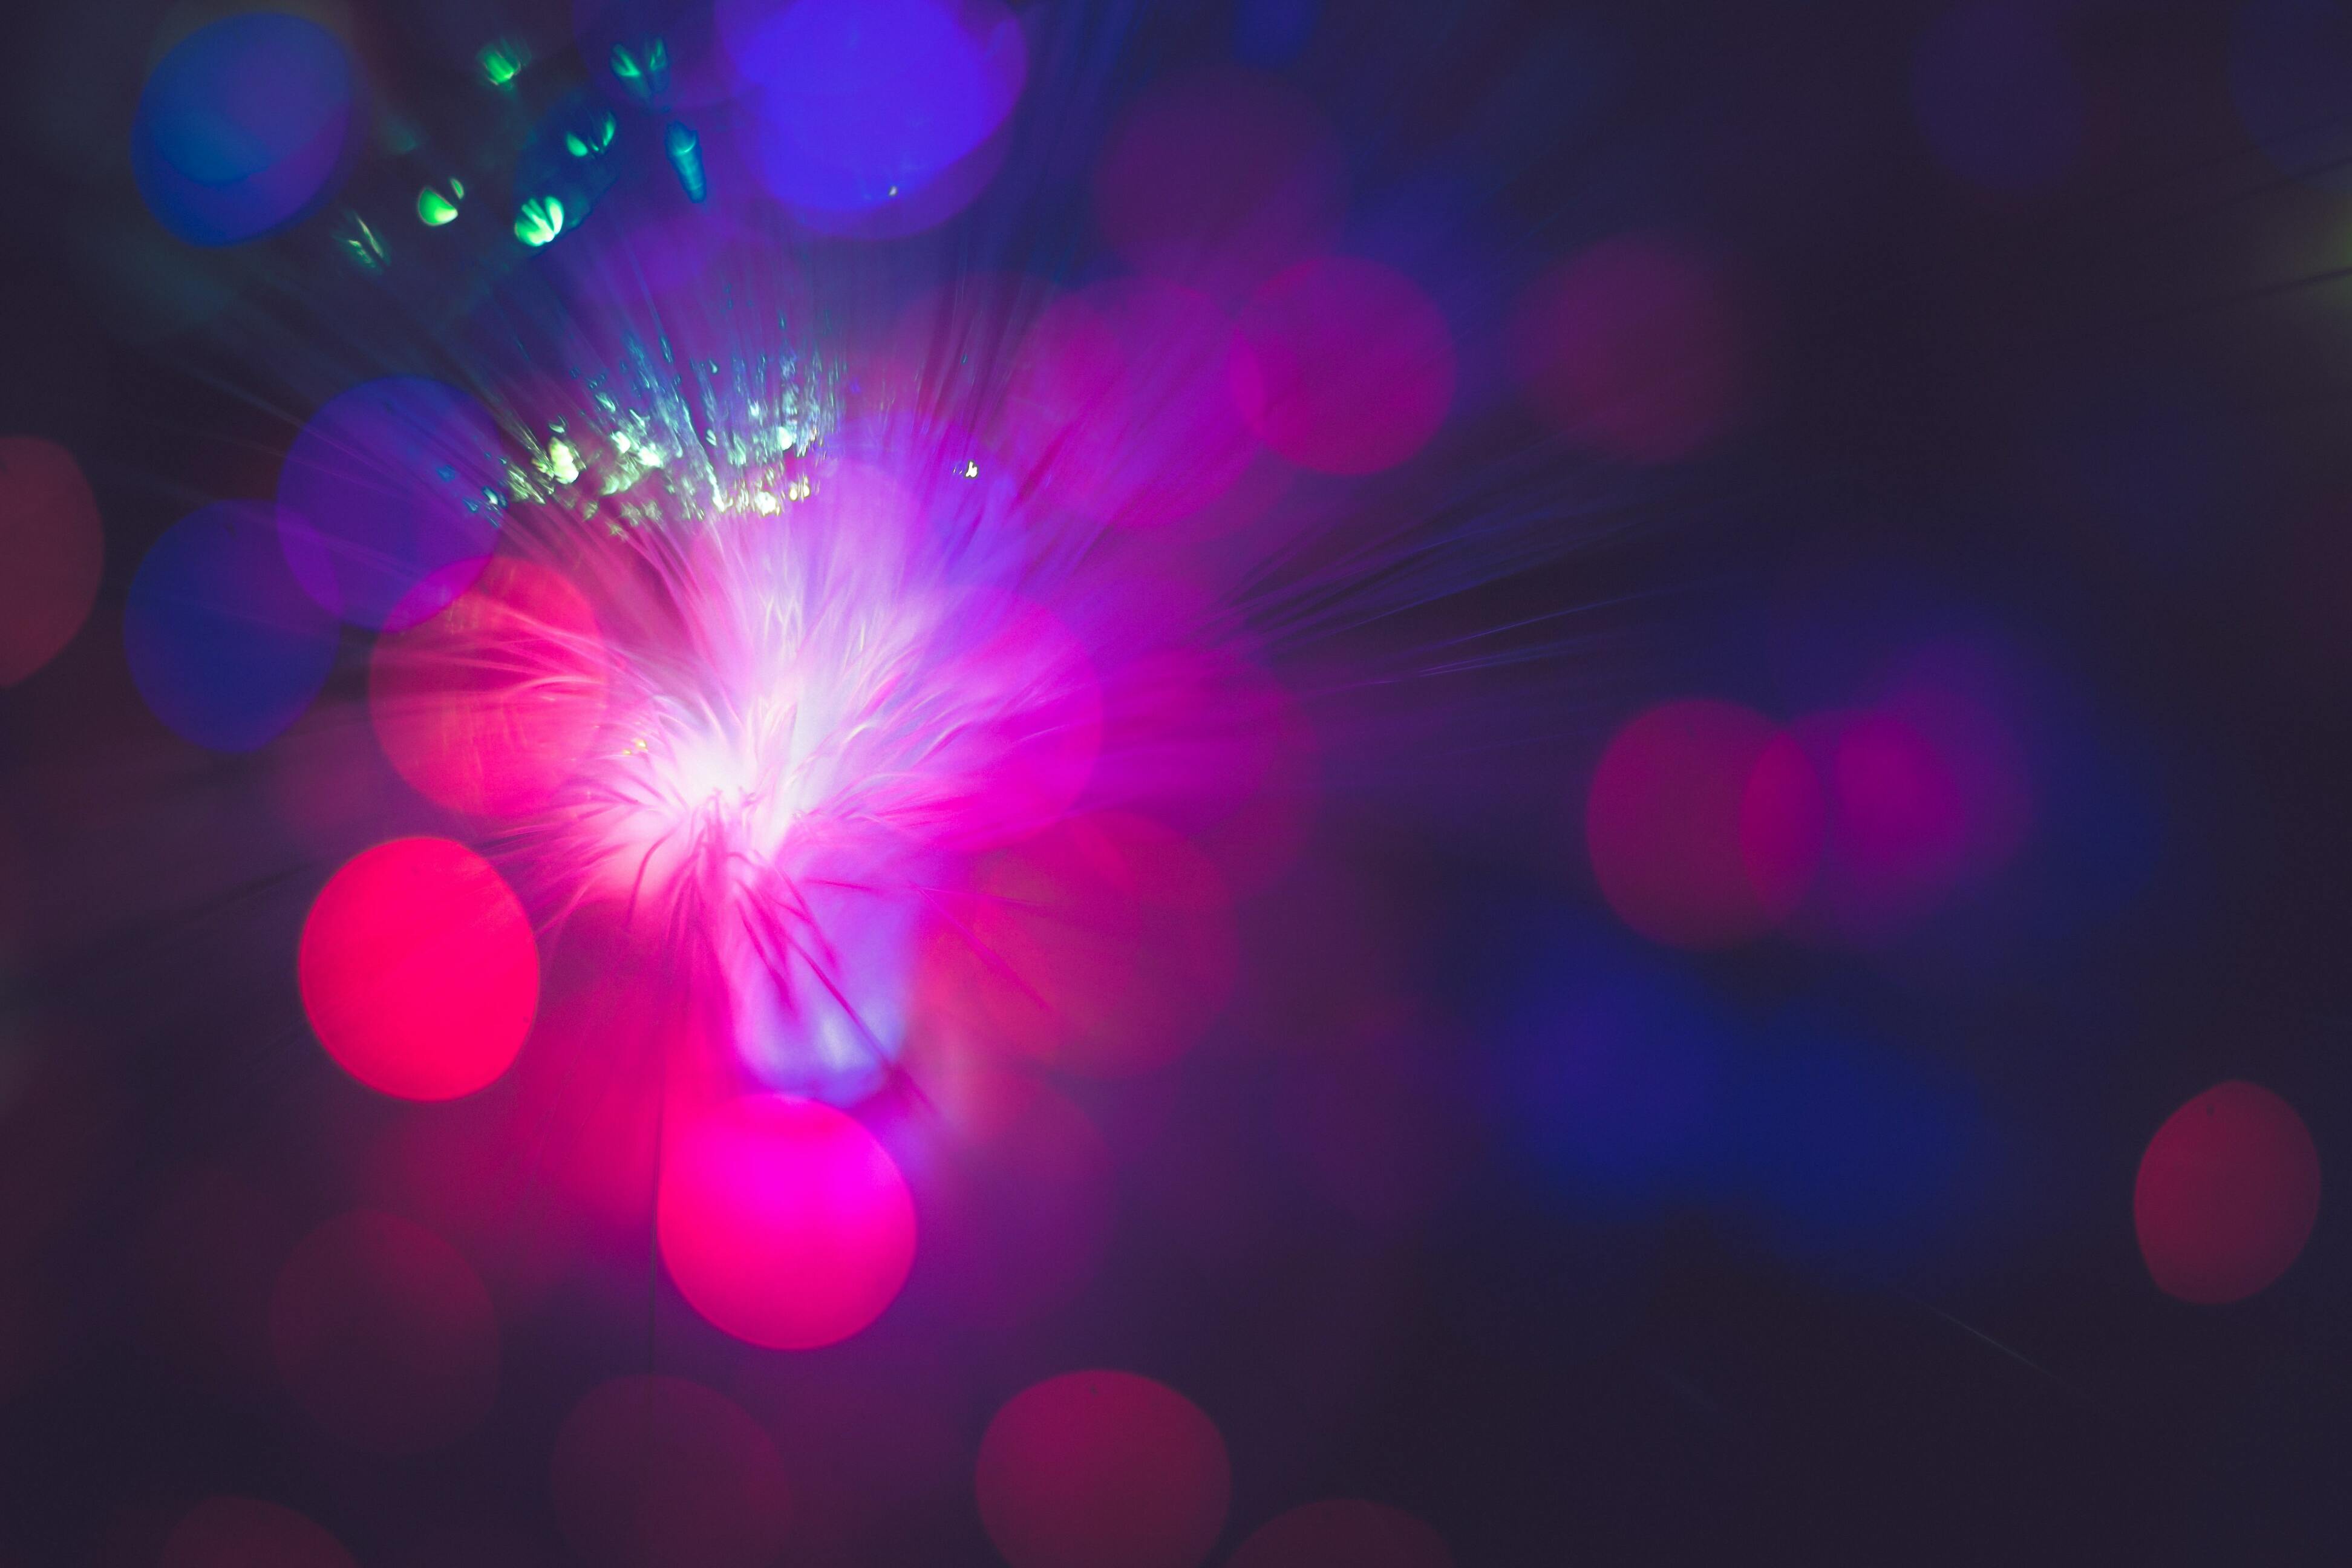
x: 648, y: 77
x: 457, y: 189
x: 596, y: 140
x: 501, y: 62
x: 686, y: 156
x: 434, y: 209
x: 541, y: 220
x: 599, y: 137
x: 361, y: 241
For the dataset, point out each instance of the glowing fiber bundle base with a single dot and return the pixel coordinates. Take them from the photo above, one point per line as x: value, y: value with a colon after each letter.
x: 848, y: 732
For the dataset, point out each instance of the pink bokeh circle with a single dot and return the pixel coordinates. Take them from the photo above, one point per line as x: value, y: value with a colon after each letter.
x: 489, y: 705
x: 782, y: 1221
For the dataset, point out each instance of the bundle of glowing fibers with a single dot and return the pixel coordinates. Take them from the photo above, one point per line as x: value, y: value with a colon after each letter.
x: 844, y: 669
x: 852, y: 733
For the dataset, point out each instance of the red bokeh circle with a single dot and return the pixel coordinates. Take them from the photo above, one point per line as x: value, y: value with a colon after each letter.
x: 783, y: 1221
x: 652, y: 1472
x: 246, y: 1532
x: 56, y: 552
x: 384, y: 1334
x: 2227, y: 1194
x: 1343, y: 1533
x: 418, y: 969
x: 1103, y: 1469
x: 490, y: 704
x: 1704, y: 824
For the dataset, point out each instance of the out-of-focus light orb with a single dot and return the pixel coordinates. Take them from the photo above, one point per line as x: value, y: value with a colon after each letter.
x: 1103, y: 1469
x: 1929, y: 791
x: 246, y: 1532
x: 2290, y: 72
x: 2227, y: 1194
x: 1103, y: 947
x: 1900, y: 820
x: 1635, y: 351
x: 1343, y: 1533
x: 1996, y: 96
x: 54, y: 549
x: 224, y: 645
x: 1704, y: 825
x: 649, y: 1472
x: 1220, y: 179
x: 386, y: 1334
x: 242, y: 126
x: 782, y: 1221
x: 418, y: 969
x: 868, y: 101
x: 488, y: 705
x: 1342, y: 366
x: 390, y: 483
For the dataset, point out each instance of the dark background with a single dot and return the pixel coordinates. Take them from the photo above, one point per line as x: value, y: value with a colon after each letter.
x: 2102, y: 419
